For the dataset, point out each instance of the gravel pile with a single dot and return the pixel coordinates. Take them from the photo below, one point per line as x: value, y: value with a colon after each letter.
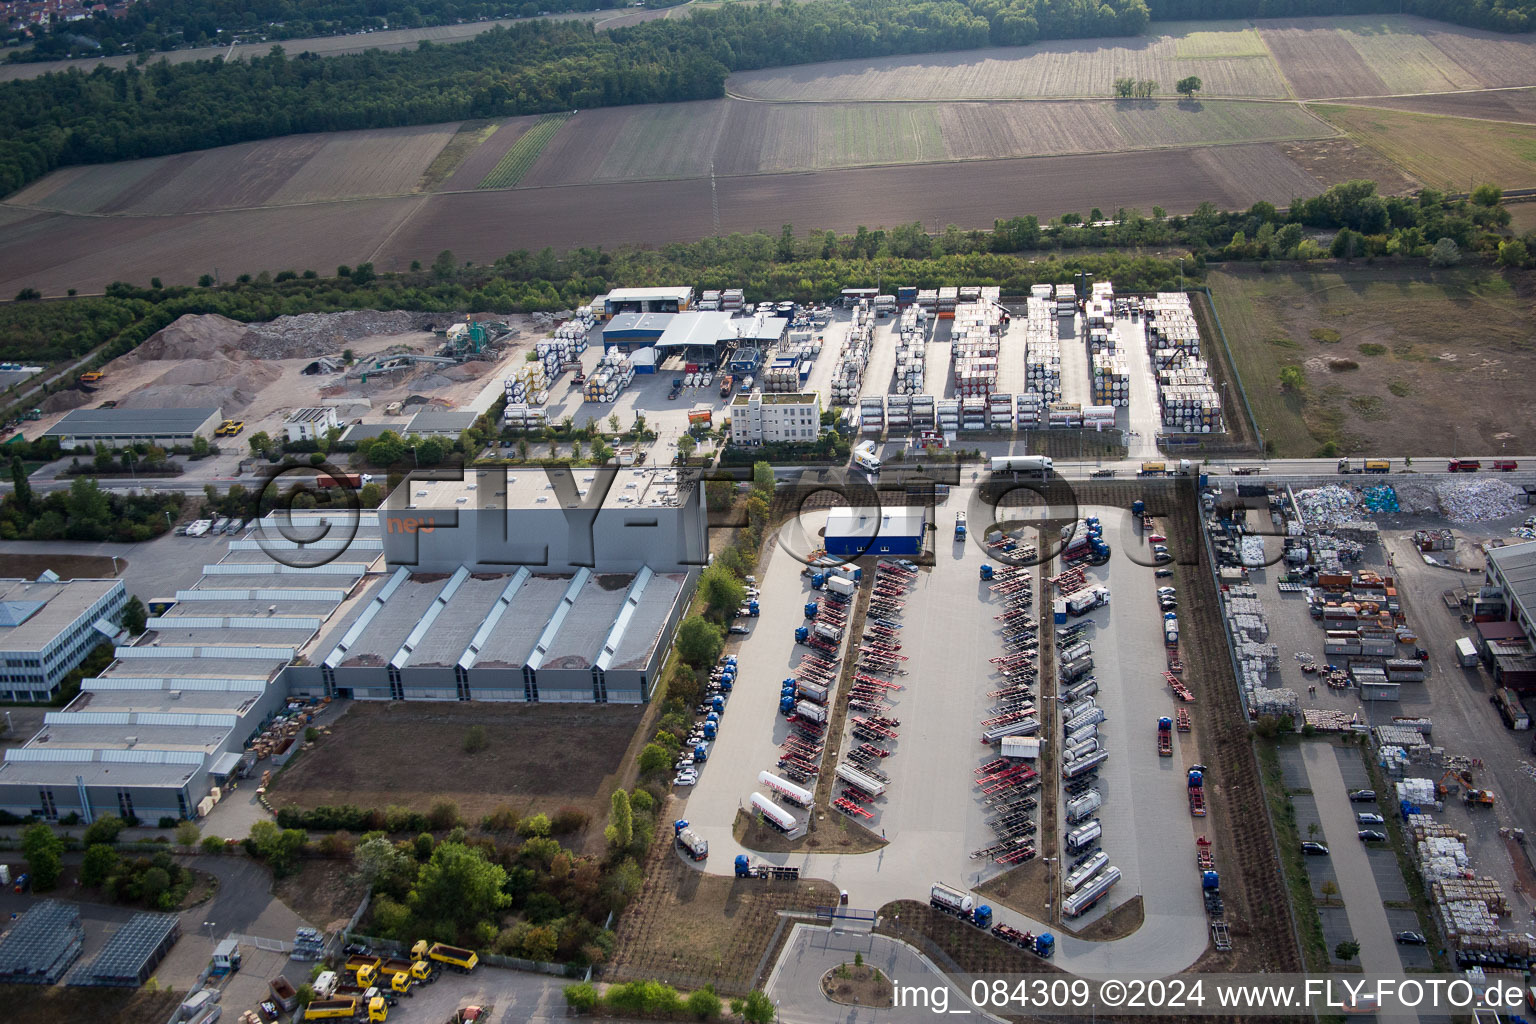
x: 316, y: 334
x: 1477, y: 501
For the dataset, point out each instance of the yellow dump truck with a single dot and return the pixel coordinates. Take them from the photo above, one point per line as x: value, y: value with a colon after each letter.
x: 347, y: 1008
x: 456, y: 959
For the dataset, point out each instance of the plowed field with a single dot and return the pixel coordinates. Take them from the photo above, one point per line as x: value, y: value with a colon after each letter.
x: 1447, y: 152
x: 1501, y: 105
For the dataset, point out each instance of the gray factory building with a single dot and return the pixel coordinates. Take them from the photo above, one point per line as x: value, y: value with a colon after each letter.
x: 115, y: 428
x: 557, y: 521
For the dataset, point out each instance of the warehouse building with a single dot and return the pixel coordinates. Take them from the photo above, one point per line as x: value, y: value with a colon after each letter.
x: 49, y: 626
x: 445, y: 423
x: 552, y: 520
x: 794, y: 418
x: 167, y: 721
x: 852, y: 532
x: 1511, y: 574
x: 630, y: 332
x: 116, y: 428
x: 311, y: 424
x: 703, y: 338
x: 760, y: 331
x: 647, y: 300
x: 584, y: 638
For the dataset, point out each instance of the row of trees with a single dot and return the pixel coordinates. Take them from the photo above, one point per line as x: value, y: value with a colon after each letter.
x: 84, y: 512
x: 1498, y: 15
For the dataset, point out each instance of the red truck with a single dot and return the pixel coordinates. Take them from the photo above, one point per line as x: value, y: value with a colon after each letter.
x: 339, y: 480
x: 1203, y: 859
x: 1505, y: 465
x: 1165, y: 737
x: 1196, y: 793
x: 1463, y: 466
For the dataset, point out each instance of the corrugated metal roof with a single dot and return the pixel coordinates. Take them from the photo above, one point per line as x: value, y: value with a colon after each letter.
x: 149, y: 422
x: 493, y: 617
x: 395, y: 582
x: 455, y: 581
x: 552, y: 629
x: 621, y: 622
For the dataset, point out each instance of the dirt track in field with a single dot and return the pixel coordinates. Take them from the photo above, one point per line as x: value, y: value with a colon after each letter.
x: 1502, y: 105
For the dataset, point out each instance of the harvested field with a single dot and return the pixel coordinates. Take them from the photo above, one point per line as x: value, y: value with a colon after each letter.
x: 1343, y: 159
x: 466, y: 140
x: 373, y: 163
x: 1446, y: 152
x: 273, y: 172
x: 1382, y: 55
x: 987, y: 131
x: 483, y: 158
x: 1070, y: 68
x: 509, y: 170
x: 669, y: 140
x: 770, y: 138
x: 53, y: 252
x: 691, y: 928
x: 527, y: 764
x: 1425, y: 385
x: 1497, y: 105
x: 1144, y: 125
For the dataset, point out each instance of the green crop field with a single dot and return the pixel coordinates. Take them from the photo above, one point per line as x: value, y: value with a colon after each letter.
x: 1447, y: 152
x: 509, y: 170
x: 1143, y: 124
x: 1388, y: 363
x: 1223, y: 43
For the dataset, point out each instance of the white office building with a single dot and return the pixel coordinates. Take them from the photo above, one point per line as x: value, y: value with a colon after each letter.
x: 758, y: 418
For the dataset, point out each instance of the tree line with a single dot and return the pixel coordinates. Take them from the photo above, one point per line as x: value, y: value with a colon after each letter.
x: 1498, y: 15
x: 148, y: 26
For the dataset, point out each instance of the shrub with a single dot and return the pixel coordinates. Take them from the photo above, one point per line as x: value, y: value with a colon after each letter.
x: 1370, y: 348
x: 337, y: 845
x: 103, y: 830
x: 703, y: 1004
x: 581, y: 997
x: 502, y: 819
x: 212, y: 844
x: 536, y: 827
x: 186, y: 834
x: 475, y: 739
x: 443, y: 815
x: 568, y: 819
x: 167, y: 821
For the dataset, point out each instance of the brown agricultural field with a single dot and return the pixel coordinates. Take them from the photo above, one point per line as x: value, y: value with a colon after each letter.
x: 413, y: 755
x: 228, y: 178
x: 672, y: 140
x: 53, y: 252
x: 1386, y: 55
x: 485, y: 156
x: 1497, y: 105
x: 1226, y: 55
x: 383, y: 162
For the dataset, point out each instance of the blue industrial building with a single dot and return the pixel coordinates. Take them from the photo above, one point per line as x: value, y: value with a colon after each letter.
x: 630, y: 332
x: 852, y: 532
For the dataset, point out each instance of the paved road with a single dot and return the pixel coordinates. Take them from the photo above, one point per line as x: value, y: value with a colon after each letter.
x: 812, y: 951
x: 1357, y: 884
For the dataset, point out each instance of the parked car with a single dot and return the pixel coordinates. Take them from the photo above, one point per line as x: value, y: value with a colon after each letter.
x: 1370, y: 835
x: 1367, y: 818
x: 686, y: 779
x: 1362, y: 796
x: 1410, y: 939
x: 1166, y: 590
x: 1163, y: 574
x: 1314, y: 849
x: 740, y: 630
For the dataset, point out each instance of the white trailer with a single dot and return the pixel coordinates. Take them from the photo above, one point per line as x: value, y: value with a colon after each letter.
x: 777, y: 816
x: 798, y: 795
x: 1084, y: 765
x: 839, y: 585
x: 1023, y: 727
x: 1040, y: 464
x: 865, y: 458
x: 859, y: 780
x: 1079, y: 876
x: 1084, y: 806
x: 1084, y: 836
x: 951, y: 900
x: 1080, y: 902
x: 814, y: 712
x: 811, y: 691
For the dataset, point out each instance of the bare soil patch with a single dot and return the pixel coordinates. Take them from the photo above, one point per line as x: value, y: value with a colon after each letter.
x: 1026, y: 888
x: 835, y: 833
x: 858, y: 985
x: 690, y: 928
x: 322, y: 891
x: 69, y: 567
x: 58, y: 1004
x: 572, y: 156
x: 1331, y: 161
x: 413, y: 755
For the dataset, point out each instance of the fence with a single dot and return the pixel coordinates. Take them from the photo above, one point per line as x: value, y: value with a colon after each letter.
x: 1237, y: 378
x: 270, y: 945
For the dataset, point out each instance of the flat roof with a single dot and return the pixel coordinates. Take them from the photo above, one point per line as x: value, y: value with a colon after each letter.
x: 394, y: 620
x: 1500, y: 631
x: 580, y: 638
x: 85, y: 735
x: 148, y: 422
x: 197, y: 668
x: 697, y: 328
x: 441, y: 421
x: 455, y: 626
x: 679, y: 292
x: 778, y: 398
x: 254, y: 607
x: 523, y: 487
x: 286, y: 581
x: 638, y: 323
x: 369, y: 431
x: 313, y: 414
x: 898, y: 521
x: 96, y: 773
x: 32, y: 614
x: 760, y: 328
x: 228, y: 636
x: 511, y: 642
x: 643, y: 631
x: 152, y: 701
